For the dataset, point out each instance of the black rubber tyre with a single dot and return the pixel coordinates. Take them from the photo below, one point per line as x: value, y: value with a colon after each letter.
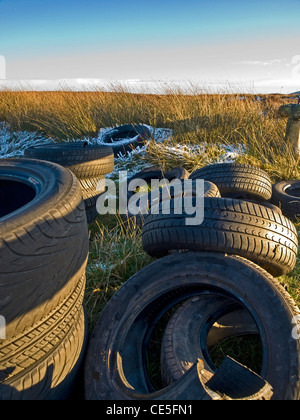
x: 177, y: 173
x: 237, y: 180
x: 115, y: 366
x: 267, y: 204
x: 90, y: 186
x: 91, y: 208
x: 286, y: 195
x: 196, y: 327
x: 45, y: 361
x: 232, y: 226
x: 91, y: 191
x: 89, y: 163
x: 43, y: 255
x: 147, y: 175
x: 85, y: 161
x: 125, y: 138
x: 210, y: 189
x: 43, y: 244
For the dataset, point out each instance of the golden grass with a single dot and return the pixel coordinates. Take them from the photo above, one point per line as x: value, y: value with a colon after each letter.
x: 66, y: 114
x: 116, y: 254
x: 205, y: 123
x: 194, y: 117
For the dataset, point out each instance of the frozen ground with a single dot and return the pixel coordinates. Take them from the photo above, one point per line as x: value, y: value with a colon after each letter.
x: 13, y: 144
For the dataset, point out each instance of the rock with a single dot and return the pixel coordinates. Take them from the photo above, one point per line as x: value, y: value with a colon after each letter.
x: 293, y: 134
x: 292, y: 137
x: 291, y: 111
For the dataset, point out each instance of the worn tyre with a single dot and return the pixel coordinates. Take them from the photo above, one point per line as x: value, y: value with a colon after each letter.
x: 44, y: 242
x: 43, y: 255
x: 116, y: 360
x: 84, y: 160
x: 147, y: 175
x: 196, y: 327
x: 127, y: 137
x: 237, y: 180
x: 89, y: 163
x: 232, y: 226
x: 44, y: 362
x: 177, y: 173
x: 286, y: 195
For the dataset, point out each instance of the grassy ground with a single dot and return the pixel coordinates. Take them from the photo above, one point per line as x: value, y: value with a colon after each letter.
x: 205, y: 127
x: 196, y: 119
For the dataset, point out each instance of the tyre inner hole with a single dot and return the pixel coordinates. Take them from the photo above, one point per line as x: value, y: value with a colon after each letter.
x: 125, y: 136
x: 14, y: 195
x: 244, y: 348
x: 294, y: 191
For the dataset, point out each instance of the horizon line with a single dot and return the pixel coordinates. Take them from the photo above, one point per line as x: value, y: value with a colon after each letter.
x: 263, y: 86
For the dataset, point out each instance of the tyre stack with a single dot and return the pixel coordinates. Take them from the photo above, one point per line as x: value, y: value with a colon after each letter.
x: 43, y: 255
x: 286, y: 195
x: 136, y: 220
x: 90, y: 164
x: 212, y: 281
x: 241, y: 222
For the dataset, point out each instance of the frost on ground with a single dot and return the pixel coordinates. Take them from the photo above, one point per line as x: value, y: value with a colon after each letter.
x: 157, y: 134
x: 226, y: 153
x: 13, y: 143
x: 134, y: 160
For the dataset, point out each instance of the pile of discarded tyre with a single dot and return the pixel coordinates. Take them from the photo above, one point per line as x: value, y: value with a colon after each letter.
x: 47, y: 201
x: 48, y: 198
x: 219, y: 280
x: 43, y: 255
x: 89, y: 163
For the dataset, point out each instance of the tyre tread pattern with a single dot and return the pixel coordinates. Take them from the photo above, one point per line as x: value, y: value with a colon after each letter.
x: 233, y: 226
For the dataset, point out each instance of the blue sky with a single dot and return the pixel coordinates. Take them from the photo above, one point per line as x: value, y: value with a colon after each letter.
x: 200, y: 40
